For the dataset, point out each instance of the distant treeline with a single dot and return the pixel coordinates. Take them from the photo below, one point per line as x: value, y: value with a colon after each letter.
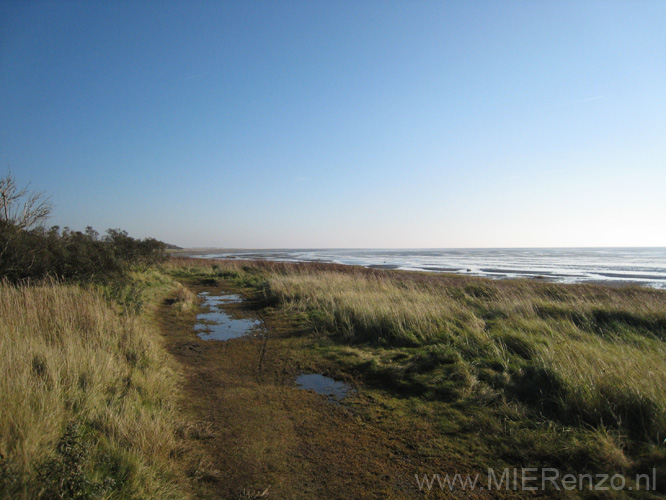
x: 27, y: 254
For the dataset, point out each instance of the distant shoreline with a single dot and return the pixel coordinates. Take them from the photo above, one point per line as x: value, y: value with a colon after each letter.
x: 621, y: 267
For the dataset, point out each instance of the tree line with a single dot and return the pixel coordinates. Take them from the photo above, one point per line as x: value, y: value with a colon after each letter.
x: 31, y: 251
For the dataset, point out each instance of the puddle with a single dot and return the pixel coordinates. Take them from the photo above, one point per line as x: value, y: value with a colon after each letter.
x: 323, y: 385
x: 214, y: 300
x: 216, y: 324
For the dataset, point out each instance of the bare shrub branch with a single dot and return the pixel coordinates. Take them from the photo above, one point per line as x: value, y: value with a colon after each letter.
x: 21, y: 207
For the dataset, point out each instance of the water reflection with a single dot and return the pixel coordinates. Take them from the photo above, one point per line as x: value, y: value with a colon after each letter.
x: 323, y: 385
x: 217, y: 324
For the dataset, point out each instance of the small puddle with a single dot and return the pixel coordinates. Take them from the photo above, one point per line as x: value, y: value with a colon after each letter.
x: 217, y: 324
x: 323, y: 385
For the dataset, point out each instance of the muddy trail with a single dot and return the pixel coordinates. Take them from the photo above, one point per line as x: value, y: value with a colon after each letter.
x: 260, y: 429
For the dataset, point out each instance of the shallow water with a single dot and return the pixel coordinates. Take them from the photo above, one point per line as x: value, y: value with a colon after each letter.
x: 323, y: 385
x: 644, y: 266
x: 217, y: 324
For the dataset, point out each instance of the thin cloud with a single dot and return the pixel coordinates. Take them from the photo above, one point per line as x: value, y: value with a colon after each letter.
x: 192, y: 77
x: 572, y: 103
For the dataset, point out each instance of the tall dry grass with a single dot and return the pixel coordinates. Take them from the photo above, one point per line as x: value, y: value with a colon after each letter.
x: 596, y: 352
x: 375, y: 308
x: 68, y: 361
x: 585, y: 354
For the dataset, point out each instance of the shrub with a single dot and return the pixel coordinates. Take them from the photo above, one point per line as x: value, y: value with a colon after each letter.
x: 72, y: 255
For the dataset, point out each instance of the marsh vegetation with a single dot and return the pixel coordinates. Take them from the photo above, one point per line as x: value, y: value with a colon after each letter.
x: 450, y: 371
x: 519, y: 371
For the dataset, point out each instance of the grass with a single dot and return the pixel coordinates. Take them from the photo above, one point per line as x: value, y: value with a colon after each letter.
x: 489, y: 373
x: 87, y: 396
x: 522, y: 371
x: 588, y: 355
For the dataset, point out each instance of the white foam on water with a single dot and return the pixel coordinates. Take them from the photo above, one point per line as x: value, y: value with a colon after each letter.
x: 643, y: 266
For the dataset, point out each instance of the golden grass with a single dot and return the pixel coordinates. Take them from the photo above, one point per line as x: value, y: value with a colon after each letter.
x: 67, y: 357
x: 377, y: 308
x: 594, y: 352
x: 184, y: 299
x: 605, y: 345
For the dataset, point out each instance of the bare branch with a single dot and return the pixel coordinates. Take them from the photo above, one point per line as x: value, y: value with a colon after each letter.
x: 20, y: 207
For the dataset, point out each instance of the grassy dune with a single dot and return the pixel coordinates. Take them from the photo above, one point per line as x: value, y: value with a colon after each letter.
x: 87, y: 398
x: 570, y: 375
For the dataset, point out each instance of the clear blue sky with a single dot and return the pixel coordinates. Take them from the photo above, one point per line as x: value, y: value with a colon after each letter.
x: 342, y: 123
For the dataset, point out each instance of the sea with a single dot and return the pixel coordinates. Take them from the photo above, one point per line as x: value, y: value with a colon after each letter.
x: 618, y: 266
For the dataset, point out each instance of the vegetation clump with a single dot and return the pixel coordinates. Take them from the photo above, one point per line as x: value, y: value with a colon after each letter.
x: 87, y: 390
x: 33, y: 254
x: 87, y: 398
x: 567, y: 374
x: 30, y: 251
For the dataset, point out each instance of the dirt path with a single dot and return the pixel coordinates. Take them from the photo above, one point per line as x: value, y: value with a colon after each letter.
x: 261, y: 431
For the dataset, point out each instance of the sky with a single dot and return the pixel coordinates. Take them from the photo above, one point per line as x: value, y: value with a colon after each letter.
x: 342, y: 124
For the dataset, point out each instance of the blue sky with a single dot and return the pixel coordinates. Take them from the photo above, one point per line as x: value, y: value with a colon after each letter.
x: 342, y: 123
